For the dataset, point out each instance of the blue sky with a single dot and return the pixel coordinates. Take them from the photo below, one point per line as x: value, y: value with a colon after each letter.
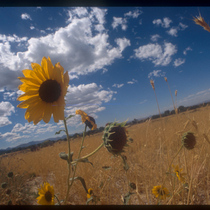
x: 110, y: 54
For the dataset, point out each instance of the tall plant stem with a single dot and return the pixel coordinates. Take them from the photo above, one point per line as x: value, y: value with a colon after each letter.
x: 69, y: 156
x: 92, y: 153
x: 75, y: 168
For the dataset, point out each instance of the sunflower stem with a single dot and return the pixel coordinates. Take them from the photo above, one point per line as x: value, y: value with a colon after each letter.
x: 75, y: 168
x: 92, y: 153
x: 57, y: 200
x: 69, y: 156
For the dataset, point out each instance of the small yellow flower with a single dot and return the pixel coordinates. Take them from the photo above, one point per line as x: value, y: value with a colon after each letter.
x: 45, y: 87
x: 88, y: 120
x: 90, y: 193
x: 160, y: 192
x: 178, y: 173
x: 46, y: 195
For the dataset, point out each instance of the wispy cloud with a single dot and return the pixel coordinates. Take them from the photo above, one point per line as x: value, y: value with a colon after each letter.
x: 119, y: 21
x: 179, y: 61
x: 187, y: 49
x: 155, y: 37
x: 156, y: 73
x: 142, y: 102
x: 174, y: 30
x: 117, y: 85
x: 132, y: 82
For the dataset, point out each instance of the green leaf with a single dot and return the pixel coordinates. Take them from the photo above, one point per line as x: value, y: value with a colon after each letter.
x: 106, y: 167
x: 89, y: 199
x: 82, y: 181
x: 70, y: 116
x: 58, y: 132
x: 84, y: 161
x: 127, y: 198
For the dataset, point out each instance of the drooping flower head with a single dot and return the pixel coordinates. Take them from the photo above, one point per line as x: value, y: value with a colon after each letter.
x: 115, y: 137
x: 178, y: 173
x: 46, y: 195
x: 88, y: 120
x: 188, y: 140
x: 45, y: 87
x: 90, y: 193
x: 160, y: 192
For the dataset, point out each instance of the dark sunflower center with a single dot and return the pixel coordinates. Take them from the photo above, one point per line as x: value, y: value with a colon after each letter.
x: 48, y: 196
x: 119, y: 138
x: 88, y: 123
x: 161, y: 192
x: 50, y: 91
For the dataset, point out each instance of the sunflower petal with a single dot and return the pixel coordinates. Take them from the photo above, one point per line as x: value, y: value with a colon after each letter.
x: 24, y: 87
x: 39, y: 71
x: 27, y: 95
x: 44, y: 65
x: 28, y: 102
x: 47, y: 113
x: 29, y: 81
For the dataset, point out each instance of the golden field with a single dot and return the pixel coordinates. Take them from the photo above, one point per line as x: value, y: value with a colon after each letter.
x: 155, y: 144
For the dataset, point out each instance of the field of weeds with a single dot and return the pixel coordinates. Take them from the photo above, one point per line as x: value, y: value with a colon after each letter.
x: 155, y: 146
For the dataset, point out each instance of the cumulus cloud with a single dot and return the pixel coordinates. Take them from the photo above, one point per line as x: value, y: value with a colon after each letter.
x: 133, y: 14
x: 87, y: 97
x: 179, y: 61
x: 187, y: 49
x: 25, y: 16
x: 118, y: 21
x: 174, y: 30
x: 155, y: 37
x: 165, y: 23
x: 81, y: 47
x: 156, y: 73
x: 159, y: 55
x: 6, y: 109
x: 123, y: 43
x: 117, y: 85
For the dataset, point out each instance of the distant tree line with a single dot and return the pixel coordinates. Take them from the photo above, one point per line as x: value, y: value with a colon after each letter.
x: 47, y: 143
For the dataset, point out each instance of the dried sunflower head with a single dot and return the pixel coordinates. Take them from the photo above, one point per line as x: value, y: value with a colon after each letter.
x: 188, y: 140
x: 115, y: 137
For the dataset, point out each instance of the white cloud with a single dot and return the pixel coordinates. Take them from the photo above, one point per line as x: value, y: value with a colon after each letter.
x: 179, y: 61
x: 117, y: 85
x: 155, y: 37
x: 156, y: 73
x: 6, y: 109
x: 10, y: 96
x: 87, y: 97
x: 117, y: 21
x: 173, y: 31
x: 187, y: 49
x: 142, y: 102
x: 132, y: 82
x: 32, y: 27
x: 4, y: 121
x: 26, y: 16
x: 123, y: 43
x: 165, y: 23
x: 81, y: 47
x: 133, y: 14
x: 155, y: 53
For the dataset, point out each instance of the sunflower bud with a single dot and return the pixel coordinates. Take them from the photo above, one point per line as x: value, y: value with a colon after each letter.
x: 4, y: 185
x: 188, y: 140
x: 115, y: 137
x: 10, y: 174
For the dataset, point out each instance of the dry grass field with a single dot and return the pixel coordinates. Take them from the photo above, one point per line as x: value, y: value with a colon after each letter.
x: 155, y: 144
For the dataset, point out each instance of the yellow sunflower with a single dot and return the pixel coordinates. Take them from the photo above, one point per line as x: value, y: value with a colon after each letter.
x: 88, y: 120
x: 160, y: 192
x: 178, y: 173
x: 46, y: 195
x: 90, y: 193
x: 45, y: 87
